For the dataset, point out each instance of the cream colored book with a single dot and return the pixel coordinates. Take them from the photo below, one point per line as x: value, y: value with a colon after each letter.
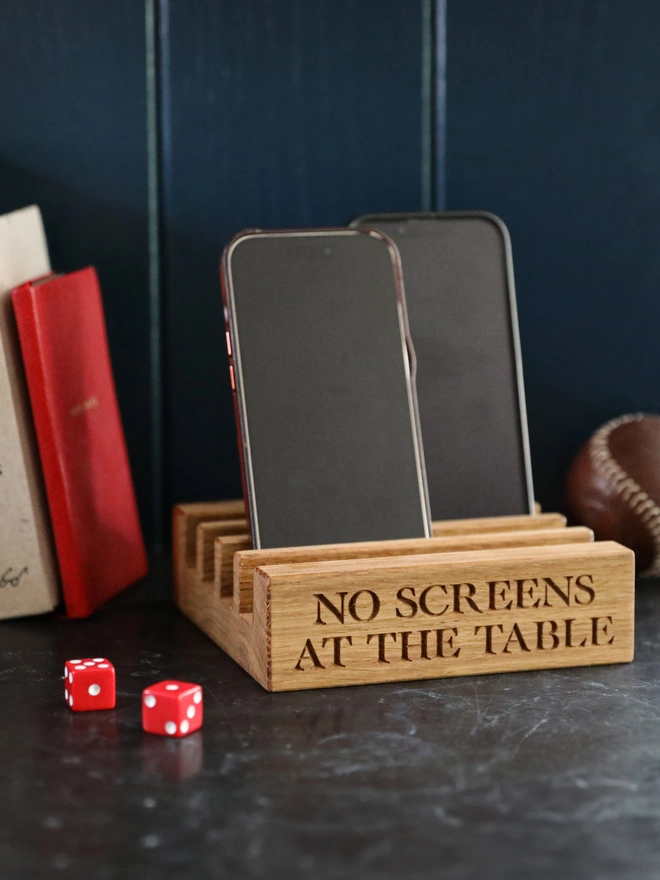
x: 28, y: 570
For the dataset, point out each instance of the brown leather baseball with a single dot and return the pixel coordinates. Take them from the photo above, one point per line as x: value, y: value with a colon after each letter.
x: 613, y: 486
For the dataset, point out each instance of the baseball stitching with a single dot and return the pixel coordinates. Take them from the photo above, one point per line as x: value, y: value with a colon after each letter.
x: 637, y: 500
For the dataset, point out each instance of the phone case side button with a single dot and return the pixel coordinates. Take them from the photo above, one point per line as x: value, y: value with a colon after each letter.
x: 231, y: 377
x: 228, y: 338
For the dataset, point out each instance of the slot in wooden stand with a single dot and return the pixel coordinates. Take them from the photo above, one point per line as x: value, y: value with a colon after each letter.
x: 483, y: 595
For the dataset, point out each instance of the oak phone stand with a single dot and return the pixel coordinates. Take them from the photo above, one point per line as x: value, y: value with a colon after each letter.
x: 498, y: 594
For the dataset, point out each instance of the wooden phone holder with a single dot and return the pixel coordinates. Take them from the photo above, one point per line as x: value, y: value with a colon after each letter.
x: 498, y: 594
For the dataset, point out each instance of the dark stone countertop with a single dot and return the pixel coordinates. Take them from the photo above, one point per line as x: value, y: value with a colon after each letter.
x: 531, y: 775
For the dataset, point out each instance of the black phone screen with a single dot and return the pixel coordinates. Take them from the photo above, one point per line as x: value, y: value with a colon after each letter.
x: 331, y: 444
x: 461, y: 310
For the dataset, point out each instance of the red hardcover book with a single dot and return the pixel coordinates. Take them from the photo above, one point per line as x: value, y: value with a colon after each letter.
x: 81, y: 442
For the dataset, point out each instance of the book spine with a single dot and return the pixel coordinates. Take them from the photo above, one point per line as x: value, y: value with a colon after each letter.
x: 27, y: 317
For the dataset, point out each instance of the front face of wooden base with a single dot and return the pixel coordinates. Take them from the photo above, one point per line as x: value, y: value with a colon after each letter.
x: 367, y: 621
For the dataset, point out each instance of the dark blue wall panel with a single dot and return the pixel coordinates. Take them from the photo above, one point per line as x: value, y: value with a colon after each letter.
x: 275, y: 114
x: 72, y: 139
x: 258, y: 113
x: 554, y: 124
x: 301, y: 112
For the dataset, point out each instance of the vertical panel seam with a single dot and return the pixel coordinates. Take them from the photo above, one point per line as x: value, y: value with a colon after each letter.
x: 153, y: 123
x: 426, y: 133
x: 439, y: 105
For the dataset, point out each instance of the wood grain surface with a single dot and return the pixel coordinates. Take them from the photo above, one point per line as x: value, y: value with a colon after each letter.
x: 207, y: 534
x: 452, y: 605
x: 225, y: 550
x: 361, y: 621
x: 247, y: 561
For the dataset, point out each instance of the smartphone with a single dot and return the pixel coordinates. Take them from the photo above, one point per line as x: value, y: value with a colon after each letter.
x: 322, y: 368
x: 458, y: 275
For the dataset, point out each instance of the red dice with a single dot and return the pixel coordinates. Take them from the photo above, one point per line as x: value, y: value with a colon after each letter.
x: 172, y: 708
x: 89, y: 684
